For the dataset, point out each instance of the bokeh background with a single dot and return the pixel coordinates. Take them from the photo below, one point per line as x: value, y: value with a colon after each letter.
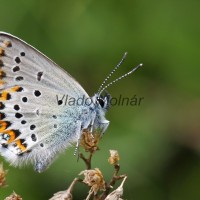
x: 158, y: 141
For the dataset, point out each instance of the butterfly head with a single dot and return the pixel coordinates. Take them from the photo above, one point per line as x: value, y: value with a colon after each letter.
x: 102, y: 102
x: 101, y: 106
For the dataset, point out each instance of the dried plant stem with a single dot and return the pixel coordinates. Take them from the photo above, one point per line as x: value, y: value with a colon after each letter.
x: 87, y: 161
x: 115, y: 176
x: 71, y: 187
x: 90, y: 193
x: 112, y: 182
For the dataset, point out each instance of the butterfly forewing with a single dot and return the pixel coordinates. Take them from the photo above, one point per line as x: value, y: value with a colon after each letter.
x: 18, y: 59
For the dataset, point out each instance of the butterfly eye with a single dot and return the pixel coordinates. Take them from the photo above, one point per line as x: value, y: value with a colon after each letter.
x: 101, y: 102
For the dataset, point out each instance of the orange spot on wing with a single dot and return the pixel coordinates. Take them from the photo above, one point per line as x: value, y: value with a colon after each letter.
x: 7, y: 43
x: 3, y: 125
x: 2, y: 116
x: 1, y: 82
x: 20, y: 145
x: 15, y: 89
x: 2, y: 74
x: 2, y: 106
x: 4, y: 96
x: 1, y: 52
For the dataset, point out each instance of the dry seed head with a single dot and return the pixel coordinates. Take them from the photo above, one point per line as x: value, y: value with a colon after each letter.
x: 2, y: 176
x: 114, y: 157
x: 62, y: 195
x: 13, y: 196
x: 89, y: 141
x: 94, y: 179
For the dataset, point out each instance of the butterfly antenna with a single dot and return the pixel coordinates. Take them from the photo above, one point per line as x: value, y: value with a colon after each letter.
x: 121, y: 77
x: 111, y: 73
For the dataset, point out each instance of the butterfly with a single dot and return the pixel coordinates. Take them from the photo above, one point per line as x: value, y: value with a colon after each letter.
x: 35, y: 125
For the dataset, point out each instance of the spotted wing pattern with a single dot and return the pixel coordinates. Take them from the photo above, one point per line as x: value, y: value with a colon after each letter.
x: 31, y: 122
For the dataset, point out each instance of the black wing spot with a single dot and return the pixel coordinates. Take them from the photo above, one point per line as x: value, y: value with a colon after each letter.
x: 2, y: 106
x: 17, y: 60
x: 25, y: 145
x: 2, y: 116
x: 16, y: 107
x: 41, y: 144
x: 8, y: 96
x: 54, y: 116
x: 18, y: 115
x: 39, y: 76
x: 16, y: 69
x: 19, y: 78
x: 22, y: 141
x: 14, y: 145
x: 38, y: 112
x: 19, y: 89
x: 22, y: 53
x: 23, y: 122
x: 17, y: 133
x: 2, y: 74
x: 55, y: 126
x: 24, y: 99
x: 32, y: 127
x: 37, y: 93
x: 1, y: 63
x: 4, y: 145
x: 33, y: 137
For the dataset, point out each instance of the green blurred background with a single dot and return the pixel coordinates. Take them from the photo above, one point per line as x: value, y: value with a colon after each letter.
x: 158, y: 141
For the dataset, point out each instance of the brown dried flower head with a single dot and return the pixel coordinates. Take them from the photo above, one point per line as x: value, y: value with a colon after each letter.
x: 94, y: 179
x: 89, y: 141
x: 114, y: 157
x: 2, y: 175
x: 13, y: 196
x: 62, y: 195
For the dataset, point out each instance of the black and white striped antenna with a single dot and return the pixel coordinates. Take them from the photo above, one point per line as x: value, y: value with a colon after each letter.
x: 102, y: 87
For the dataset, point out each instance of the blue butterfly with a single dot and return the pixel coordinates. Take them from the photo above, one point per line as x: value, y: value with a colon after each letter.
x: 35, y: 122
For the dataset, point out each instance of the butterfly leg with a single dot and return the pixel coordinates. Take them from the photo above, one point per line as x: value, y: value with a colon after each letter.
x: 76, y: 151
x: 91, y: 126
x: 78, y: 141
x: 77, y: 148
